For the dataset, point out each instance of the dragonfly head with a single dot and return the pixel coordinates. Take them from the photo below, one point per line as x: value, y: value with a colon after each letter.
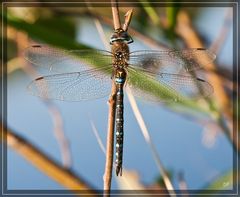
x: 121, y: 35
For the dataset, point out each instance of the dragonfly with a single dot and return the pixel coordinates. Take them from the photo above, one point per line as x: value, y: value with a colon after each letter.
x: 159, y: 76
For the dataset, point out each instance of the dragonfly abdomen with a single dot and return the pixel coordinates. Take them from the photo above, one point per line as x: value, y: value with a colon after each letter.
x: 119, y: 131
x: 120, y: 78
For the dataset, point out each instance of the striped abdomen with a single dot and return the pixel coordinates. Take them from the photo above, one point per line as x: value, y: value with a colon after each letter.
x: 120, y: 78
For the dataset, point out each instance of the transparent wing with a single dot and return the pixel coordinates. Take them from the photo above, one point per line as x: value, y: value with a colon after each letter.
x: 60, y: 61
x: 166, y: 87
x: 77, y: 86
x: 172, y: 61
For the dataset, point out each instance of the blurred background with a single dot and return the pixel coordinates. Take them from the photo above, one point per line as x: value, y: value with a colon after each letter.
x: 195, y: 143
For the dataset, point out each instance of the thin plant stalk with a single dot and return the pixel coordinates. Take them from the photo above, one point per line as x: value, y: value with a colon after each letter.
x: 95, y: 131
x: 182, y: 184
x: 59, y: 133
x: 99, y: 28
x: 148, y: 139
x: 115, y: 14
x: 61, y: 175
x: 112, y: 110
x: 110, y: 141
x: 101, y: 34
x: 54, y: 112
x: 111, y: 124
x: 128, y: 17
x: 100, y: 143
x: 192, y: 39
x: 107, y: 178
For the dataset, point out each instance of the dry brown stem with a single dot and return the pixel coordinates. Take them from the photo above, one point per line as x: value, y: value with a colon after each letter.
x: 110, y: 141
x: 182, y: 184
x: 23, y: 42
x: 115, y: 14
x: 222, y: 36
x: 190, y: 36
x: 107, y: 178
x: 128, y: 17
x: 61, y: 175
x: 112, y: 108
x: 145, y: 39
x: 148, y: 139
x: 192, y: 40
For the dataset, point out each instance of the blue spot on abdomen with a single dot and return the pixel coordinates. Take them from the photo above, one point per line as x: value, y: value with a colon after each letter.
x: 119, y: 80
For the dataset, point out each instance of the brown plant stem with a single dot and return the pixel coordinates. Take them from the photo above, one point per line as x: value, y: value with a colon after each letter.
x: 115, y: 14
x: 112, y: 107
x: 222, y: 36
x: 58, y: 125
x: 185, y: 30
x: 108, y: 21
x: 157, y: 45
x: 111, y: 117
x: 148, y: 139
x: 182, y: 184
x: 192, y: 40
x: 107, y: 178
x: 111, y: 124
x: 110, y: 141
x: 128, y: 17
x: 145, y: 39
x: 61, y: 175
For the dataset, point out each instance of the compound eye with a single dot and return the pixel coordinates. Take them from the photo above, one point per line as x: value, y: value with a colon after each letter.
x: 121, y: 36
x: 128, y: 39
x: 125, y: 37
x: 114, y: 38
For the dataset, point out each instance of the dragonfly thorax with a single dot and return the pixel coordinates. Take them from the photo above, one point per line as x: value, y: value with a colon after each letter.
x: 120, y: 53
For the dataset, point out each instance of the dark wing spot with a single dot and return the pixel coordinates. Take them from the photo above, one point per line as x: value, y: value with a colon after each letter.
x: 39, y: 78
x: 200, y: 80
x: 36, y: 46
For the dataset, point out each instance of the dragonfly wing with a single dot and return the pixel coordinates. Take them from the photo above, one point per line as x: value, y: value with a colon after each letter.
x: 76, y: 86
x: 167, y: 87
x: 60, y: 61
x: 171, y: 61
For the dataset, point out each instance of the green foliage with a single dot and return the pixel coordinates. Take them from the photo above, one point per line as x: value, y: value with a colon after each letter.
x: 223, y: 182
x: 45, y: 33
x: 150, y: 12
x: 172, y: 12
x: 11, y: 49
x: 141, y: 21
x: 236, y: 110
x: 58, y: 25
x: 159, y: 180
